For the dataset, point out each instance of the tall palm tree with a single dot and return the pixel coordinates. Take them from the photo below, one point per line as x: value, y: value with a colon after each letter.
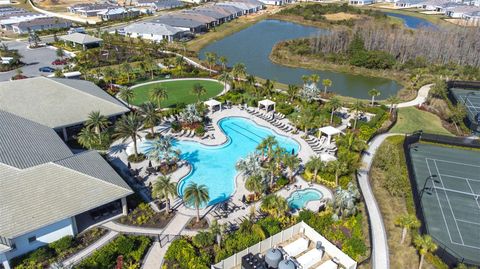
x: 211, y: 59
x: 128, y: 126
x: 424, y: 245
x: 126, y: 68
x: 97, y: 122
x: 314, y: 78
x: 393, y: 100
x: 292, y: 162
x: 87, y: 138
x: 327, y: 83
x: 226, y: 78
x: 305, y: 79
x: 164, y: 188
x: 407, y: 222
x: 268, y: 87
x: 223, y: 61
x: 239, y: 70
x: 217, y: 230
x: 150, y: 65
x: 334, y: 104
x: 198, y: 90
x: 150, y: 116
x: 127, y: 94
x: 267, y: 146
x: 292, y: 91
x: 357, y: 106
x: 338, y: 167
x: 315, y: 164
x: 374, y: 93
x: 196, y: 195
x: 274, y: 205
x: 255, y: 184
x: 158, y: 95
x: 351, y: 142
x: 109, y: 75
x: 251, y: 80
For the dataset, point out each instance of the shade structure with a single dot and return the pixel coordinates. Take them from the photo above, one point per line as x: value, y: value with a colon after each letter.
x: 266, y: 104
x: 212, y: 104
x: 329, y: 131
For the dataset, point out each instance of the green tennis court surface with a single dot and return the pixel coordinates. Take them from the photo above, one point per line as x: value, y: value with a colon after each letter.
x: 448, y: 185
x: 470, y: 99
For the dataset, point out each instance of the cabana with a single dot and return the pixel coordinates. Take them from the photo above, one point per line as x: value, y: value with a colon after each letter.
x: 213, y: 104
x: 329, y: 131
x: 267, y: 105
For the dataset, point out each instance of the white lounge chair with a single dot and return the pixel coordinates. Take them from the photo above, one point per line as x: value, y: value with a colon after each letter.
x: 296, y: 247
x: 310, y: 258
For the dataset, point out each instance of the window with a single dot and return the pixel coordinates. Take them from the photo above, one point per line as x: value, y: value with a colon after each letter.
x: 32, y: 239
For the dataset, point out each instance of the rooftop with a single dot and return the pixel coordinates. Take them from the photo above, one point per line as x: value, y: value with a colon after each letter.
x: 152, y: 28
x: 80, y: 38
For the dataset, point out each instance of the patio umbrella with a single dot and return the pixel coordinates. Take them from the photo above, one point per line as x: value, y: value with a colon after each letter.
x: 149, y: 163
x: 244, y: 199
x: 129, y: 165
x: 293, y: 151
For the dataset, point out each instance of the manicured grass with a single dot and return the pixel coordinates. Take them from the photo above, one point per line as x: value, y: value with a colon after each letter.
x: 177, y: 91
x: 411, y: 119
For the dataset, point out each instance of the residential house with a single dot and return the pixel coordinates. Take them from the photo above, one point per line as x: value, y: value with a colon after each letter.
x: 41, y: 24
x: 460, y: 11
x: 156, y: 31
x: 90, y: 10
x: 410, y: 3
x: 360, y: 2
x: 8, y: 20
x: 157, y: 5
x: 118, y: 13
x: 79, y: 39
x: 183, y: 21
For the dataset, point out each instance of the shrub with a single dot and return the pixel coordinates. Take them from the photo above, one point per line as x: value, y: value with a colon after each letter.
x: 282, y: 181
x: 62, y: 244
x: 200, y: 130
x: 176, y: 126
x: 182, y: 254
x: 284, y: 108
x: 203, y: 239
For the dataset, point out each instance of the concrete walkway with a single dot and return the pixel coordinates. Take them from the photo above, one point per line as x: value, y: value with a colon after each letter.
x: 419, y: 100
x: 190, y: 61
x: 113, y: 226
x: 380, y: 253
x: 89, y: 250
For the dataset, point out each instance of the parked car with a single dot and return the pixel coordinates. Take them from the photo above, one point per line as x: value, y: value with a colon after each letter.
x: 59, y: 62
x: 46, y: 69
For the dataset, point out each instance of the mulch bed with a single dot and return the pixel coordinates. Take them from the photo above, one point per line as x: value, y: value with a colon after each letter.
x: 194, y: 225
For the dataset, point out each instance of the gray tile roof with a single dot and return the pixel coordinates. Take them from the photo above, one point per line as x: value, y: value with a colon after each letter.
x: 148, y: 28
x: 43, y: 182
x: 24, y: 143
x: 56, y: 102
x: 80, y: 38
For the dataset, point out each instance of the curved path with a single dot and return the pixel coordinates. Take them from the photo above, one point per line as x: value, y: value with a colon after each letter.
x: 419, y: 100
x: 190, y: 61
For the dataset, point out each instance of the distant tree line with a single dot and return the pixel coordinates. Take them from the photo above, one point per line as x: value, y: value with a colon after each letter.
x: 437, y: 46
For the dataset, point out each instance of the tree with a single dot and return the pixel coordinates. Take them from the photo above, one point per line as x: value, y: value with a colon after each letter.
x: 33, y: 37
x: 334, y: 104
x: 60, y: 53
x: 357, y: 106
x: 315, y: 164
x: 128, y: 126
x: 249, y: 166
x: 97, y: 122
x: 314, y: 78
x: 109, y: 75
x: 267, y: 146
x: 239, y: 70
x: 226, y: 78
x: 127, y: 94
x: 87, y: 138
x: 374, y: 93
x: 164, y: 188
x: 217, y: 230
x: 150, y: 65
x: 268, y: 86
x: 223, y: 61
x: 327, y: 83
x: 392, y: 100
x: 458, y: 113
x: 439, y: 89
x: 305, y: 79
x: 407, y: 222
x: 424, y: 245
x: 150, y: 116
x: 157, y: 95
x: 255, y: 184
x: 251, y: 80
x: 338, y: 168
x: 274, y: 205
x: 198, y: 90
x: 126, y: 68
x: 350, y: 142
x: 196, y: 195
x: 345, y: 201
x: 292, y: 162
x: 58, y: 73
x: 292, y: 92
x: 211, y: 59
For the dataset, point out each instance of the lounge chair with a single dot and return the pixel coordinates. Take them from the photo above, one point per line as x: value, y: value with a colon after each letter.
x: 296, y: 247
x: 310, y: 258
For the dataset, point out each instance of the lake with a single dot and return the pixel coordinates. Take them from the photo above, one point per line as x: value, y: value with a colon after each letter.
x: 252, y: 46
x: 412, y: 22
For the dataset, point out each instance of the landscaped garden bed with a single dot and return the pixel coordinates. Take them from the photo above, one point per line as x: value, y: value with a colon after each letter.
x: 59, y: 250
x: 145, y: 216
x: 194, y: 225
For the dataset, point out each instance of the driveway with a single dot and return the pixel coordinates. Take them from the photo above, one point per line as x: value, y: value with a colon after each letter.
x: 33, y: 58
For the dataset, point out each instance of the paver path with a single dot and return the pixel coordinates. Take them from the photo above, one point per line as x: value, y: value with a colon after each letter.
x: 90, y: 249
x: 130, y: 229
x: 420, y: 99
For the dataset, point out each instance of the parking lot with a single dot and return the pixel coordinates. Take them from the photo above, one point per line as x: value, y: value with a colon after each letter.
x: 33, y: 59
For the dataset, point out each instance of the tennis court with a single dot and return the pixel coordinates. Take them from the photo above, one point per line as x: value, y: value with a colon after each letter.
x: 448, y: 186
x: 470, y: 99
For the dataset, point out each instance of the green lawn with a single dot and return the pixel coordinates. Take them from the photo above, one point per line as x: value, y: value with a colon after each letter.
x: 411, y: 119
x: 178, y: 92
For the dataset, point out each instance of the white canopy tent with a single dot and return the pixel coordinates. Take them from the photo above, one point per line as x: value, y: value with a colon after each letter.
x: 329, y: 131
x: 266, y: 104
x: 212, y: 104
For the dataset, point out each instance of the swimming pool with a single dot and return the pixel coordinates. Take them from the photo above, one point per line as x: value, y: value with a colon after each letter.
x: 214, y: 166
x: 299, y: 199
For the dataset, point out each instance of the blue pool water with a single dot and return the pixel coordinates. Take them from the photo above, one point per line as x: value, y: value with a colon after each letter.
x: 299, y: 199
x: 411, y: 21
x: 214, y: 166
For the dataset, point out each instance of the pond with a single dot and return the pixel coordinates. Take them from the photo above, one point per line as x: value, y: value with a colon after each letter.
x: 411, y: 21
x: 252, y: 46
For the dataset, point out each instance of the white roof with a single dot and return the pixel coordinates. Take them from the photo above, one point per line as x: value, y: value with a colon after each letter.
x: 212, y: 103
x: 329, y: 130
x: 151, y: 28
x: 266, y: 102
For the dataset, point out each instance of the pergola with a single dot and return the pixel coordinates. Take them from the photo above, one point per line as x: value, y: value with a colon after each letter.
x: 266, y: 104
x: 212, y: 104
x: 329, y: 131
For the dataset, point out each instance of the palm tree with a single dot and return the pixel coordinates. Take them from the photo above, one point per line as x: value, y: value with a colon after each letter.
x: 217, y: 230
x: 127, y: 69
x: 292, y: 91
x: 87, y: 138
x: 424, y: 245
x: 199, y: 90
x: 211, y: 59
x: 274, y: 205
x: 127, y: 94
x: 158, y: 95
x: 150, y: 65
x: 292, y: 162
x: 255, y: 184
x: 249, y: 166
x: 305, y: 79
x: 226, y: 78
x: 357, y: 106
x: 314, y: 78
x: 268, y: 86
x: 128, y: 126
x: 267, y: 146
x: 393, y: 100
x: 196, y: 195
x: 351, y: 142
x: 223, y: 61
x: 239, y: 70
x: 407, y: 222
x: 109, y: 75
x: 334, y: 104
x: 374, y: 93
x: 251, y: 80
x: 97, y: 122
x: 164, y: 188
x: 150, y: 116
x: 327, y: 83
x: 315, y: 164
x: 338, y: 167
